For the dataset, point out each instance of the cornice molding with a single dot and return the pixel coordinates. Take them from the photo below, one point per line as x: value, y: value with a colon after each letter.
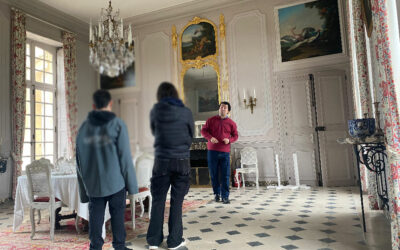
x: 51, y: 15
x: 180, y: 11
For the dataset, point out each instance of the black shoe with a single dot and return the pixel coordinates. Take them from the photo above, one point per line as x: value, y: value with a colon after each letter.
x: 217, y: 198
x: 226, y: 200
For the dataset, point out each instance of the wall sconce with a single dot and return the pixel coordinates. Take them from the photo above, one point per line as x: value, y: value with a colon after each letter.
x: 252, y: 100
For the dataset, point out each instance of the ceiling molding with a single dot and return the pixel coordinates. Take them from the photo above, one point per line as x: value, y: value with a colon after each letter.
x: 51, y: 15
x: 179, y: 11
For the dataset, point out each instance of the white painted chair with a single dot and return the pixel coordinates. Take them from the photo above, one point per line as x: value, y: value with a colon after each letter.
x: 65, y: 166
x: 41, y: 193
x: 249, y: 164
x: 144, y: 167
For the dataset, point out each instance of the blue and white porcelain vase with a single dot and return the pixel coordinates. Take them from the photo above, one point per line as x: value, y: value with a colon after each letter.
x: 361, y: 128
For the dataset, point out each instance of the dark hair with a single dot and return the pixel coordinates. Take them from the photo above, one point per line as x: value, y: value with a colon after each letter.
x: 166, y: 89
x: 101, y: 98
x: 226, y: 103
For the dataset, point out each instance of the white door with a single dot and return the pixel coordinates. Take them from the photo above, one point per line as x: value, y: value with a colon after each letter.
x: 315, y: 114
x: 126, y: 109
x: 299, y: 127
x: 332, y: 115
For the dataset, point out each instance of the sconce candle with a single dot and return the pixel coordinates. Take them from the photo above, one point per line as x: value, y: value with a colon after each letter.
x: 252, y: 100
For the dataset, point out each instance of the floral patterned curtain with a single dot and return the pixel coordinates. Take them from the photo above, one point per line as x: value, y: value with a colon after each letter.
x: 18, y: 89
x: 361, y: 70
x: 383, y: 73
x: 69, y: 47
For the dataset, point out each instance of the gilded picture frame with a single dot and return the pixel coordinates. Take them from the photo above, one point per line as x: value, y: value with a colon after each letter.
x: 198, y: 41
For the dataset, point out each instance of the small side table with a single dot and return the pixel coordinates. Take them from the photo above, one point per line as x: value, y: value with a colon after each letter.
x: 371, y: 152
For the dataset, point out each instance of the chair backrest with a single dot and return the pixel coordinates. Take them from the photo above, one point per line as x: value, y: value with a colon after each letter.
x: 144, y: 168
x: 39, y: 174
x: 67, y: 166
x: 248, y: 156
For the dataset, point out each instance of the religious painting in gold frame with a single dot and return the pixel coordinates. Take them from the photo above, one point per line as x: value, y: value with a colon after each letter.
x: 198, y: 40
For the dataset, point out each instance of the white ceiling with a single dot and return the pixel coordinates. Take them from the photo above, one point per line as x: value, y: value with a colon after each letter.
x: 84, y: 10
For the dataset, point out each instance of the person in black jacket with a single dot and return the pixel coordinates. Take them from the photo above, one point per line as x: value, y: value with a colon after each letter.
x: 172, y: 126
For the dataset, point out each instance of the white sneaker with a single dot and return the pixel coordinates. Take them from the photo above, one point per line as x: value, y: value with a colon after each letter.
x: 183, y: 243
x: 153, y: 247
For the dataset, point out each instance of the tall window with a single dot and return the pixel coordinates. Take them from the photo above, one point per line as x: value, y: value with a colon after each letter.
x: 40, y: 120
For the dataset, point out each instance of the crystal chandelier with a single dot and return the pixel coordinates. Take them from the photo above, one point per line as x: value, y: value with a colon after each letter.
x: 110, y: 53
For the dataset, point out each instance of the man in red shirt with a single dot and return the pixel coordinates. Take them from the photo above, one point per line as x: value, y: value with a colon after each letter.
x: 220, y: 132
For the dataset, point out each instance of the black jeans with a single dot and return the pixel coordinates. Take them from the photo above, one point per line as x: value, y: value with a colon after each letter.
x: 166, y: 173
x: 116, y: 205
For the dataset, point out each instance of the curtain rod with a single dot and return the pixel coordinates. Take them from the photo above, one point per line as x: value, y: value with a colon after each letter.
x: 43, y: 21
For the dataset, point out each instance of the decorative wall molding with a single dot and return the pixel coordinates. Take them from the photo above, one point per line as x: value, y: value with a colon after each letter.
x: 264, y: 82
x: 156, y: 64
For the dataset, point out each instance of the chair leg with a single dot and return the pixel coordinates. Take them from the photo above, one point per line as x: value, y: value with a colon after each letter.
x: 150, y: 201
x: 132, y: 201
x: 257, y: 185
x: 244, y: 185
x: 39, y: 215
x: 78, y: 230
x: 237, y: 179
x: 52, y: 222
x: 32, y: 217
x: 141, y: 206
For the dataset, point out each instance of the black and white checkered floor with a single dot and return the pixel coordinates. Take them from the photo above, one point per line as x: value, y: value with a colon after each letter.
x: 276, y: 219
x: 320, y: 218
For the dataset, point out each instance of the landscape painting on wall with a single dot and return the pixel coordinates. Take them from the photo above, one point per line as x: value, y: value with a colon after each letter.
x: 309, y: 30
x: 198, y: 41
x: 127, y: 79
x: 207, y: 100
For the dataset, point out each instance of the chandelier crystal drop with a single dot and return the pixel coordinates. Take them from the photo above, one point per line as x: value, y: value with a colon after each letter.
x: 110, y: 53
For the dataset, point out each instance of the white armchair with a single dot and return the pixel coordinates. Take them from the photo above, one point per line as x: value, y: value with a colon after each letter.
x: 249, y: 164
x: 144, y: 168
x: 41, y: 193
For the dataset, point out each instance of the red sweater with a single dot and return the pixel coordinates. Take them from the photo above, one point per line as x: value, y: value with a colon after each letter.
x: 219, y: 129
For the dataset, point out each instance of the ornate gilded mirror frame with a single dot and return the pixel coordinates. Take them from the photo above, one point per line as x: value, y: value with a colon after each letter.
x: 217, y: 60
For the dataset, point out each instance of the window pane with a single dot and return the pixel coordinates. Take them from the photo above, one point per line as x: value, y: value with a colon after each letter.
x: 39, y: 64
x: 39, y: 135
x: 25, y: 161
x: 39, y: 95
x: 39, y: 150
x: 49, y: 122
x: 28, y: 74
x: 39, y: 109
x: 48, y: 67
x: 38, y: 52
x: 39, y: 76
x: 48, y: 78
x: 48, y: 97
x: 28, y: 61
x: 49, y: 135
x: 27, y: 121
x: 27, y: 136
x: 28, y: 94
x: 26, y: 150
x: 28, y: 49
x: 28, y: 108
x: 48, y: 56
x: 48, y: 110
x: 49, y: 148
x: 39, y: 122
